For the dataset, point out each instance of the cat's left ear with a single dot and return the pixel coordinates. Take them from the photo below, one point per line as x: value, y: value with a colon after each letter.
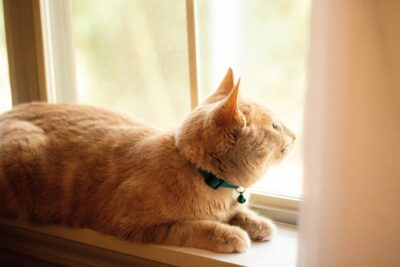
x: 226, y: 121
x: 227, y: 113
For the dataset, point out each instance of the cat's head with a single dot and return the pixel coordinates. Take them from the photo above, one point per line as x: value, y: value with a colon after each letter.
x: 233, y: 138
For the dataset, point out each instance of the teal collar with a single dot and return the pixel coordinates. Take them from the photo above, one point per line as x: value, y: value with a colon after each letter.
x: 211, y: 180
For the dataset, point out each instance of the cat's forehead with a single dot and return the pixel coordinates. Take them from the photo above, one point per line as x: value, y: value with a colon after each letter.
x: 257, y: 110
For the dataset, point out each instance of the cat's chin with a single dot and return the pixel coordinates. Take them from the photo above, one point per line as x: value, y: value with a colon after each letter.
x: 280, y: 156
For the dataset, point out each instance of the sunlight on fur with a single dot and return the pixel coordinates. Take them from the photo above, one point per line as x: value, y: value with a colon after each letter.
x: 82, y: 166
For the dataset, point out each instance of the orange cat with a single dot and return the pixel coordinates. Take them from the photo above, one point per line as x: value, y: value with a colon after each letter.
x: 82, y: 166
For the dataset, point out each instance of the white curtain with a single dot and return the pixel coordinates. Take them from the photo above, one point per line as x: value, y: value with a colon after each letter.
x: 351, y: 210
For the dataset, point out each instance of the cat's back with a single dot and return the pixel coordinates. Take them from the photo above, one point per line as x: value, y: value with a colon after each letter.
x: 75, y: 123
x: 51, y: 152
x: 60, y: 116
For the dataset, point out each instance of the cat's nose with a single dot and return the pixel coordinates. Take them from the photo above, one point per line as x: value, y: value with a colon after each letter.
x: 293, y: 137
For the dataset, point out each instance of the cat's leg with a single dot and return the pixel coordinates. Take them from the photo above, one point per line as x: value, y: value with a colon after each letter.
x: 205, y: 234
x: 258, y: 228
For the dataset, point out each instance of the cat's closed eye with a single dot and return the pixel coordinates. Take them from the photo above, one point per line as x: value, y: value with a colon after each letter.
x: 275, y: 126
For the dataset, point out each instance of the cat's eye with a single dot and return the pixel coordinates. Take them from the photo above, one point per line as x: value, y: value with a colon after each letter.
x: 275, y: 126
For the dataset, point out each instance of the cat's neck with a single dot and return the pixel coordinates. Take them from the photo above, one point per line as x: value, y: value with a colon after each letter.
x: 179, y: 173
x: 199, y: 169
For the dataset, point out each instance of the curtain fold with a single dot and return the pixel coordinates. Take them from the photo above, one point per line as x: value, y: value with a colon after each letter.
x: 351, y: 210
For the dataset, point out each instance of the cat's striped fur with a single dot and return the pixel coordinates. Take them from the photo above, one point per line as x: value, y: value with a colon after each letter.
x: 82, y: 166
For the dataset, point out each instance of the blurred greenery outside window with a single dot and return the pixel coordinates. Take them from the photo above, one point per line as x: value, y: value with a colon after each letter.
x: 131, y: 56
x: 265, y: 42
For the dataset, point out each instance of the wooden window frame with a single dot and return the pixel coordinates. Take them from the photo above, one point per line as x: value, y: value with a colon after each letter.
x: 25, y: 50
x: 192, y: 51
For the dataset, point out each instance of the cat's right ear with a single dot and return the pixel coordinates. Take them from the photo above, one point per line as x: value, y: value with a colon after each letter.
x: 223, y: 90
x: 226, y: 85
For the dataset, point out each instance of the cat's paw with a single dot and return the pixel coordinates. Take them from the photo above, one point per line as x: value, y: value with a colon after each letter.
x: 261, y: 229
x: 233, y: 240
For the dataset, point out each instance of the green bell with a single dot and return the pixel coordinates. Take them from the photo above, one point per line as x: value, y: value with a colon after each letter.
x: 241, y: 199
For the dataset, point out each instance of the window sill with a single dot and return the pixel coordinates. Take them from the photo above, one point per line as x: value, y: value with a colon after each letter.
x: 74, y: 247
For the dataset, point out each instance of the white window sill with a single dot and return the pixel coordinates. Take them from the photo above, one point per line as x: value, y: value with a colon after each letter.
x: 86, y: 247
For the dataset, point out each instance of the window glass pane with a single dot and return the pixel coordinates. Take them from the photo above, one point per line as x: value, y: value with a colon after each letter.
x: 131, y: 56
x: 265, y: 42
x: 5, y: 92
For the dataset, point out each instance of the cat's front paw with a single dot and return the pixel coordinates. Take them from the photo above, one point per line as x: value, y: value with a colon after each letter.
x: 261, y: 229
x: 233, y: 240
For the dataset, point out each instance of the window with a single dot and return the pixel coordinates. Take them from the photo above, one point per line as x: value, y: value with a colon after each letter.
x: 265, y: 43
x: 133, y: 56
x: 5, y: 92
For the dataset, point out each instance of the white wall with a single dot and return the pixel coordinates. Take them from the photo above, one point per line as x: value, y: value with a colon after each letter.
x: 351, y: 212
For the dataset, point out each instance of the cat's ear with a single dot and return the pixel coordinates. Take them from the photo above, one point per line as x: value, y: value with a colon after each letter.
x: 226, y: 115
x: 223, y: 89
x: 227, y: 112
x: 226, y: 85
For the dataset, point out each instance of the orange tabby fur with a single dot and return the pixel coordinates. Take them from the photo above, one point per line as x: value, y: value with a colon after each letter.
x: 82, y: 166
